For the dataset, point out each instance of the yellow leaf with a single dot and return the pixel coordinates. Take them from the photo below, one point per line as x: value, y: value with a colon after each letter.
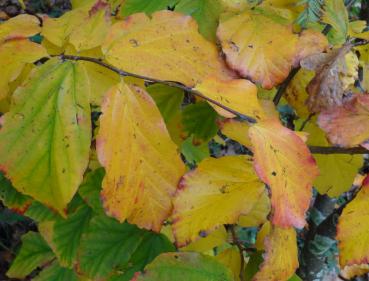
x: 231, y: 258
x: 92, y: 31
x: 216, y: 193
x: 263, y: 232
x: 167, y: 46
x: 280, y: 260
x: 310, y: 42
x: 85, y: 27
x: 14, y: 55
x: 21, y: 26
x: 204, y: 244
x: 296, y: 94
x: 352, y: 230
x: 337, y: 171
x: 237, y: 130
x: 237, y: 94
x: 356, y: 28
x: 142, y: 163
x: 283, y: 161
x: 258, y: 214
x: 253, y: 44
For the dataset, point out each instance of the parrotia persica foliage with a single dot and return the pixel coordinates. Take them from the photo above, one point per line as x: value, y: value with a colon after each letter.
x: 125, y: 124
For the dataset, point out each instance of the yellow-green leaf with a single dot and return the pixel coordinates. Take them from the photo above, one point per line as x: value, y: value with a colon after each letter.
x: 142, y: 163
x: 336, y: 15
x: 217, y: 192
x: 45, y: 137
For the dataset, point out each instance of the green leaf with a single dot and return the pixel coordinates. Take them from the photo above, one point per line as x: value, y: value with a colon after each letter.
x: 205, y: 12
x: 108, y: 245
x: 90, y: 189
x: 253, y: 265
x: 152, y: 245
x: 45, y: 138
x: 199, y: 120
x: 40, y: 213
x: 194, y: 153
x: 67, y: 235
x: 11, y: 198
x: 168, y: 99
x: 130, y: 7
x: 335, y: 14
x: 34, y: 252
x: 185, y: 267
x: 56, y: 273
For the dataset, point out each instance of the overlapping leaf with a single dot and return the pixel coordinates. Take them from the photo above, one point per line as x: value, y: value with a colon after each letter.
x: 167, y: 46
x: 85, y: 27
x: 45, y: 138
x: 34, y: 253
x: 348, y: 125
x: 252, y: 43
x: 337, y: 171
x: 185, y: 267
x: 352, y: 230
x: 283, y: 161
x: 229, y: 182
x: 142, y: 163
x: 205, y: 12
x: 280, y: 260
x: 238, y: 94
x: 120, y: 246
x: 335, y: 72
x: 16, y: 50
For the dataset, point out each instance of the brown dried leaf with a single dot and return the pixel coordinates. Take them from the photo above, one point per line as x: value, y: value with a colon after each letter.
x: 333, y: 77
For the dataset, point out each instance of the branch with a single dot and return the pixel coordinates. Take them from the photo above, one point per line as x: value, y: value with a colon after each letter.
x: 337, y: 150
x: 249, y: 119
x: 282, y: 88
x: 123, y: 73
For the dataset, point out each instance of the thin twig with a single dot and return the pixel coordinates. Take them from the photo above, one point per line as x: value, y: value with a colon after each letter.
x: 154, y: 80
x: 282, y: 88
x: 337, y: 150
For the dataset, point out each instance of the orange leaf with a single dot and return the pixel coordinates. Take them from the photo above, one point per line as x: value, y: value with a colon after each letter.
x: 237, y: 94
x: 142, y: 163
x: 258, y: 47
x: 167, y: 46
x: 283, y: 161
x: 348, y: 125
x: 280, y: 260
x: 352, y: 230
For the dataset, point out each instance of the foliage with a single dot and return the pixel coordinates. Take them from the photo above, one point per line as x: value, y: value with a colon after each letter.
x: 123, y: 124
